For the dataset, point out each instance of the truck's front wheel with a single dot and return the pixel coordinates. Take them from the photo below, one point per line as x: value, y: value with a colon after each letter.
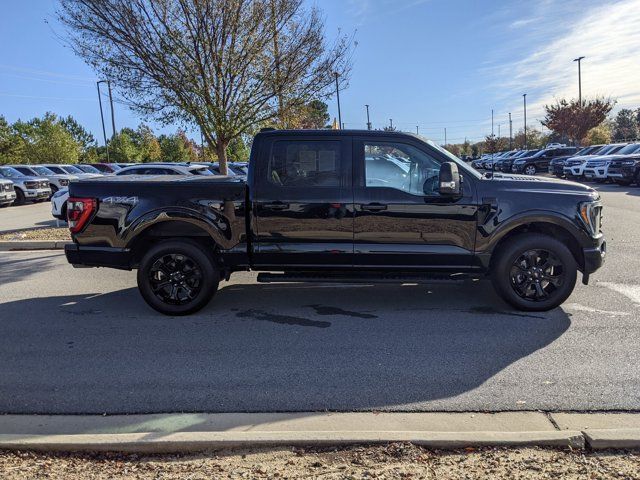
x: 177, y: 277
x: 534, y: 272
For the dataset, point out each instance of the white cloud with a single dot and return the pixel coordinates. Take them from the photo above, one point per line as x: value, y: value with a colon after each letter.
x: 607, y: 35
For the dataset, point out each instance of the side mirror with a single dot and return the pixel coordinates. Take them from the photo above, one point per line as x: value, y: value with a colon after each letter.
x: 449, y: 182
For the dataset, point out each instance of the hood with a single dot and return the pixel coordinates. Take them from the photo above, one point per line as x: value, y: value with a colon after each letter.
x: 60, y: 176
x: 541, y: 185
x: 30, y: 178
x: 84, y: 175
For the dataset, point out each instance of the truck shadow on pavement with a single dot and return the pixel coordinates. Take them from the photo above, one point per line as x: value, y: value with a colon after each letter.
x: 268, y: 348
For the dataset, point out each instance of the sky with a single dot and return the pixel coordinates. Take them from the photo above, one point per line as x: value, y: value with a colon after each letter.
x: 431, y: 64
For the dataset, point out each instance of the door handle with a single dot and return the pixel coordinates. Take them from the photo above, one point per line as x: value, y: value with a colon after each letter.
x: 275, y: 206
x: 373, y: 207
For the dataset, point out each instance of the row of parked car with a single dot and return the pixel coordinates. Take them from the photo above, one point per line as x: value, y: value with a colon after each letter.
x: 20, y: 184
x: 616, y: 162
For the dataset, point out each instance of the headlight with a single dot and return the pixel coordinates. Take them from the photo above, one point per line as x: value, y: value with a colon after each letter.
x: 629, y: 162
x: 31, y: 185
x: 590, y: 214
x: 64, y: 183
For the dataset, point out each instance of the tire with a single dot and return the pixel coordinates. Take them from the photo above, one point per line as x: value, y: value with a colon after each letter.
x: 529, y: 169
x: 20, y: 198
x: 194, y: 271
x: 53, y: 188
x: 507, y: 278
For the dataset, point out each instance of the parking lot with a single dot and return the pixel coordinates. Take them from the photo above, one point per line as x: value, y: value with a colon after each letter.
x: 83, y: 341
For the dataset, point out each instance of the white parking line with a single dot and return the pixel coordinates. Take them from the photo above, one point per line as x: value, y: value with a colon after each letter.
x: 632, y: 292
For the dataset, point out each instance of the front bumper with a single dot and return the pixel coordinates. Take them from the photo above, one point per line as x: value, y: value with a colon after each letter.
x: 7, y: 197
x: 594, y: 257
x: 596, y: 172
x: 84, y: 256
x: 557, y: 170
x: 38, y: 194
x: 517, y: 167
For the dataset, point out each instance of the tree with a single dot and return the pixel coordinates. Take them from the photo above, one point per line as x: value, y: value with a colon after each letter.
x: 84, y: 138
x: 46, y: 140
x: 223, y: 65
x: 625, y: 125
x: 493, y: 144
x: 122, y: 148
x: 535, y: 139
x: 313, y: 115
x: 599, y: 135
x: 174, y: 148
x: 147, y: 144
x: 574, y: 120
x: 11, y: 145
x: 238, y: 151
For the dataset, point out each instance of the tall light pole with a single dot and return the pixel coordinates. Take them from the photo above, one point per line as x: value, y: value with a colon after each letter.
x: 492, y: 122
x: 368, y: 121
x: 510, y: 132
x: 579, y: 59
x: 338, y: 97
x: 391, y: 123
x: 524, y: 96
x: 104, y: 131
x: 445, y: 136
x: 417, y: 129
x: 113, y: 118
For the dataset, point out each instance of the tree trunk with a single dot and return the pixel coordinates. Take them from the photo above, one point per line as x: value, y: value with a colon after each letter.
x: 221, y: 150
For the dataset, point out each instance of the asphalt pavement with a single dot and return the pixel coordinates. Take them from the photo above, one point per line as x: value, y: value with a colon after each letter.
x: 83, y: 341
x: 30, y: 215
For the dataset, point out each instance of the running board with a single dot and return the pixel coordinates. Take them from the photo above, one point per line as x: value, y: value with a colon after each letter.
x: 373, y: 277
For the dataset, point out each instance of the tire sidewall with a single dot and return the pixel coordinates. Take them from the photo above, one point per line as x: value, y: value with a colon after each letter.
x: 501, y: 277
x: 191, y: 249
x: 528, y: 167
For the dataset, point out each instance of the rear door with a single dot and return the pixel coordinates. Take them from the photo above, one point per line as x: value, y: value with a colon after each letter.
x: 302, y: 200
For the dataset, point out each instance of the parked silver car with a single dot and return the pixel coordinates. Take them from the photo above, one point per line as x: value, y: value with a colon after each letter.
x: 56, y: 180
x: 70, y: 170
x: 7, y: 193
x: 28, y: 188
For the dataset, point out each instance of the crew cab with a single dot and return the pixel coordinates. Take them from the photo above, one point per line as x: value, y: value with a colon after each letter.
x: 339, y: 206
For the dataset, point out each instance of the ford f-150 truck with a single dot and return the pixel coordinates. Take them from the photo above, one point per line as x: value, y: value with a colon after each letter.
x: 339, y: 206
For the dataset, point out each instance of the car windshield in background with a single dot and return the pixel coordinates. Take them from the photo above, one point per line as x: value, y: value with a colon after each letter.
x: 631, y: 148
x: 44, y: 171
x: 609, y: 149
x: 88, y: 169
x: 200, y: 171
x: 71, y: 169
x: 10, y: 172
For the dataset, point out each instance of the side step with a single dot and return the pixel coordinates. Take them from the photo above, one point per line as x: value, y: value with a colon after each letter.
x: 364, y: 277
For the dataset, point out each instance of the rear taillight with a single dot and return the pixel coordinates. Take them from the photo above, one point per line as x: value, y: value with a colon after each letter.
x: 79, y: 211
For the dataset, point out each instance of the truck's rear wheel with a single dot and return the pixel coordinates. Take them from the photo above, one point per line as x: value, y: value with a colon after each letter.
x: 177, y: 277
x: 534, y: 272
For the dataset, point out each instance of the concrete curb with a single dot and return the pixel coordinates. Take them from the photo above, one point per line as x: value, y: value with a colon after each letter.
x: 621, y: 438
x: 21, y: 245
x: 200, y: 441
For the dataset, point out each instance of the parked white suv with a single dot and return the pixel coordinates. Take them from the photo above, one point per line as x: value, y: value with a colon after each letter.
x: 7, y: 193
x: 56, y: 180
x: 574, y: 166
x: 598, y: 167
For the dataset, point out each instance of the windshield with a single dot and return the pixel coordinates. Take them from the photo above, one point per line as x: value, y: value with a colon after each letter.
x: 586, y: 151
x: 200, y: 171
x: 44, y: 171
x: 607, y: 149
x: 71, y: 169
x: 10, y: 172
x: 631, y: 148
x: 88, y: 169
x: 456, y: 160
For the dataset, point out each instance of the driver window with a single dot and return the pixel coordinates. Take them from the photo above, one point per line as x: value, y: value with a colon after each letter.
x: 402, y: 167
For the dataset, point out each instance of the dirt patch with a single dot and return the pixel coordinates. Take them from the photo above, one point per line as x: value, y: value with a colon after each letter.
x: 380, y: 462
x: 61, y: 234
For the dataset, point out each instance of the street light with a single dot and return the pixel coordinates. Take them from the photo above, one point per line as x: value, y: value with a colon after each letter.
x: 579, y: 59
x: 104, y: 131
x: 338, y: 96
x: 510, y: 132
x: 524, y: 96
x: 368, y: 121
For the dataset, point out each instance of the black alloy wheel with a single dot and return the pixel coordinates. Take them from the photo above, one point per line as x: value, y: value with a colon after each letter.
x: 178, y: 277
x: 533, y: 271
x: 536, y: 274
x: 175, y: 279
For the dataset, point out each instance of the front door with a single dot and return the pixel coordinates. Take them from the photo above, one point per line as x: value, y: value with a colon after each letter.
x: 303, y: 203
x: 401, y: 220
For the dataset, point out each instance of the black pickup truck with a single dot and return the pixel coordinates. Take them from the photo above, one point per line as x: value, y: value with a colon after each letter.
x: 341, y: 206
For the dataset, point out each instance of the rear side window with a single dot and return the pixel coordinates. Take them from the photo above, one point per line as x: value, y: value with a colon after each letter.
x: 305, y: 164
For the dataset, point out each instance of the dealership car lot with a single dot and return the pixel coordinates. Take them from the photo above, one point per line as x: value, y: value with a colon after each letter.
x: 75, y: 341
